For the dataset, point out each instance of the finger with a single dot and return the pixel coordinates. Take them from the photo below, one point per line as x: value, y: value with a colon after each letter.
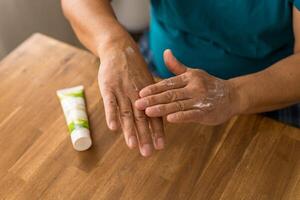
x: 111, y: 110
x: 164, y: 85
x: 186, y: 116
x: 173, y: 64
x: 158, y: 135
x: 143, y: 132
x: 127, y: 121
x: 165, y: 109
x: 162, y: 98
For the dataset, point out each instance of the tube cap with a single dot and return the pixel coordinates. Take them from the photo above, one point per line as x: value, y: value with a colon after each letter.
x: 81, y: 139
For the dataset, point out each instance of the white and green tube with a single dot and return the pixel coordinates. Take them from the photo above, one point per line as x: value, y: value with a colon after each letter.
x: 73, y: 104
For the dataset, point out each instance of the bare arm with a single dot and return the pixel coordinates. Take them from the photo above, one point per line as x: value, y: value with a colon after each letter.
x: 94, y: 22
x: 195, y: 96
x: 122, y: 73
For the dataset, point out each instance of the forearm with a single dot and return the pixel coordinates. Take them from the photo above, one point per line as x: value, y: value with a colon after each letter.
x: 273, y: 88
x: 94, y: 23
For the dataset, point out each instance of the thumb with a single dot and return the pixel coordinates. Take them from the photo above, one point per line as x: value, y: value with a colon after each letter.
x: 173, y: 64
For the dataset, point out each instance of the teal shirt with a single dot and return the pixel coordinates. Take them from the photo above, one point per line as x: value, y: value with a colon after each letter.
x: 226, y: 38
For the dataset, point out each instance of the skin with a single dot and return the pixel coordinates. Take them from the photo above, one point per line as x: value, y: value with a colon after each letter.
x: 191, y: 96
x: 122, y: 73
x: 273, y: 88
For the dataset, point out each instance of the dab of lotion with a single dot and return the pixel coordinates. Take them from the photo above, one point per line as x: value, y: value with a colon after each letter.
x: 129, y: 50
x: 73, y: 104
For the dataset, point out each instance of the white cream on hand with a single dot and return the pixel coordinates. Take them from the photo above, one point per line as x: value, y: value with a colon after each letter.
x: 73, y: 104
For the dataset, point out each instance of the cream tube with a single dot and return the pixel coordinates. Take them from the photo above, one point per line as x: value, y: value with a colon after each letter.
x: 73, y: 104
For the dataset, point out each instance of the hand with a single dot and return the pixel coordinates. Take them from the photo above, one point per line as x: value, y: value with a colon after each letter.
x: 191, y: 96
x: 122, y: 74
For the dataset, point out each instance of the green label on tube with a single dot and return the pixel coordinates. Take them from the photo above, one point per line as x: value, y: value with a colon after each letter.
x: 80, y: 123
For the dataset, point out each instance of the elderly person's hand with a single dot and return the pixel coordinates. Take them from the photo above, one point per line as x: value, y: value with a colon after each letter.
x: 122, y: 74
x: 191, y: 96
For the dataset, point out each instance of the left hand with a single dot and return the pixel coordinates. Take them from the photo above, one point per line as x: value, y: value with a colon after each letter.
x: 122, y: 74
x: 191, y: 96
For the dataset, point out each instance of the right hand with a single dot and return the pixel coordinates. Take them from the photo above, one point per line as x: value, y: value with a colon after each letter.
x: 122, y: 74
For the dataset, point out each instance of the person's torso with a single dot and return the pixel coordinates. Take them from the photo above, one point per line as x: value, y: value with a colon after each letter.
x: 226, y: 38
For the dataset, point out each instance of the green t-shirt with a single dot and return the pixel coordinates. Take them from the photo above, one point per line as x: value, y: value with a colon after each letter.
x: 226, y: 38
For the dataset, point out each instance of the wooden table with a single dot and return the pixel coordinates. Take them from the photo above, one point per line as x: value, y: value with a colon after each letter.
x: 250, y: 157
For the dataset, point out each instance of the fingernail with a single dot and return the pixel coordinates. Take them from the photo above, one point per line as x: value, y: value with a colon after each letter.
x: 160, y: 143
x: 142, y: 103
x: 132, y: 141
x: 146, y: 150
x: 113, y: 125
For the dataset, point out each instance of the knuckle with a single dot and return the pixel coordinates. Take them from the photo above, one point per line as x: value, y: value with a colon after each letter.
x: 141, y: 117
x: 169, y: 82
x: 126, y: 114
x: 107, y: 85
x: 152, y: 100
x: 104, y: 89
x: 161, y: 109
x: 189, y: 73
x: 180, y: 105
x: 164, y: 83
x: 169, y: 96
x: 152, y: 89
x: 184, y: 78
x: 175, y: 96
x: 110, y: 101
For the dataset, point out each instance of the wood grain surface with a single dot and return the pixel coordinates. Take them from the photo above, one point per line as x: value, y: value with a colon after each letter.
x: 250, y: 157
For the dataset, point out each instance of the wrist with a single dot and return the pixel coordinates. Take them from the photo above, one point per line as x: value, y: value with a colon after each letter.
x: 114, y: 42
x: 239, y: 96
